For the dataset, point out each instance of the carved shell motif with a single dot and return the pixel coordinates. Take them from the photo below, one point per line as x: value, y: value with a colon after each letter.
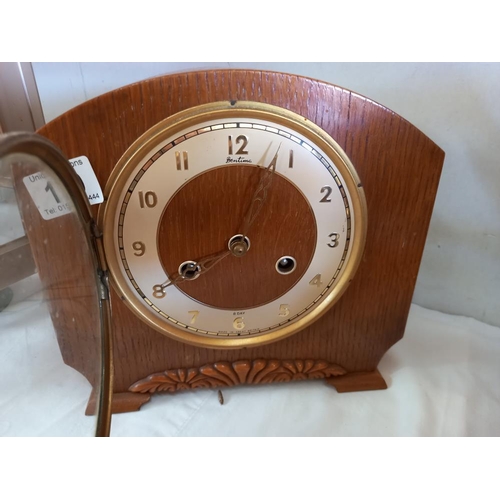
x: 259, y: 371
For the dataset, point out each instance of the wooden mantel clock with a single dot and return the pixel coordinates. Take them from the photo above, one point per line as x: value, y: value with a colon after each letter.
x: 257, y: 227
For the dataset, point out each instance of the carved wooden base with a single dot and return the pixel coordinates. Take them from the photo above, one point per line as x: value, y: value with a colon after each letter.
x: 220, y: 374
x: 259, y: 371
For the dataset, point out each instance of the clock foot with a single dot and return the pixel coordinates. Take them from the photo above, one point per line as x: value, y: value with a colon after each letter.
x: 358, y: 381
x: 125, y: 401
x: 122, y: 402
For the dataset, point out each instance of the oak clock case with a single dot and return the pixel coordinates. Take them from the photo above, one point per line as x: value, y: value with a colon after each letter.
x: 233, y: 224
x: 161, y: 146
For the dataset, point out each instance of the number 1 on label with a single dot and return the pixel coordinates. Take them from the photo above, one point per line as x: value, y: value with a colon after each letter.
x: 50, y: 188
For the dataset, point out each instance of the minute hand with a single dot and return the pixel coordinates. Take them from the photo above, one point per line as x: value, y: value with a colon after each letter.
x: 259, y: 196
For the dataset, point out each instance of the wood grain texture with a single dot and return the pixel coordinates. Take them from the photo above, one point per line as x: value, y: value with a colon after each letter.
x: 399, y: 168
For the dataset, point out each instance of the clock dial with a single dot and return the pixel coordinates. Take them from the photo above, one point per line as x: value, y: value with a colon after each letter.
x: 233, y: 224
x: 284, y: 226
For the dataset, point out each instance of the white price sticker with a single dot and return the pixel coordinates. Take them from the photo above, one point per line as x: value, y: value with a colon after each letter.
x: 50, y: 197
x: 84, y: 169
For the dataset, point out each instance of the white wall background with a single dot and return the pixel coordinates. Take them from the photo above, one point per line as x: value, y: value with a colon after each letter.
x: 456, y: 104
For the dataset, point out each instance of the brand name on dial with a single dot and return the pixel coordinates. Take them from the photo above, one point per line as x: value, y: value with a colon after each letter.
x: 239, y: 159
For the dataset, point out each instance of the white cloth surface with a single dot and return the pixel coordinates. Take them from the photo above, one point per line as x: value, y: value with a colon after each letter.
x: 443, y: 378
x: 39, y: 394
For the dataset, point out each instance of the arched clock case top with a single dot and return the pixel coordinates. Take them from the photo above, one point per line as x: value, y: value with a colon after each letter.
x: 398, y: 168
